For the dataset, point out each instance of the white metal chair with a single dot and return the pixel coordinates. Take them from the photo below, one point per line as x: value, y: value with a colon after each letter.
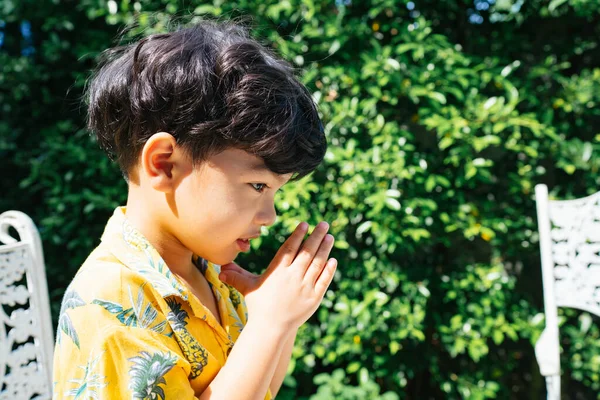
x: 26, y: 335
x: 570, y: 250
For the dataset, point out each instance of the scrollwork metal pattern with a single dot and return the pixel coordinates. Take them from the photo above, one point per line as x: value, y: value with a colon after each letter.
x: 576, y: 252
x: 24, y: 368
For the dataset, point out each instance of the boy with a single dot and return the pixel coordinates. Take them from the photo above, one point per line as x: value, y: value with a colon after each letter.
x: 206, y: 126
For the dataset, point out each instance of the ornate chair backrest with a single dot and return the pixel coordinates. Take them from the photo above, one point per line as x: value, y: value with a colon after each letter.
x: 26, y: 334
x: 570, y: 249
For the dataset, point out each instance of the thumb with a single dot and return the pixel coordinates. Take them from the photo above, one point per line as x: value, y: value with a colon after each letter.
x: 234, y: 275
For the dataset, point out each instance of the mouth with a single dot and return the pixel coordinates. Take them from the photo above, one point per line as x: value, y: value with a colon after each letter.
x: 243, y: 244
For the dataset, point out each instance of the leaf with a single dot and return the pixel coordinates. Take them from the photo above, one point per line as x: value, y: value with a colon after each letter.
x: 442, y: 180
x: 416, y: 234
x: 446, y: 142
x: 137, y: 306
x: 395, y: 193
x: 498, y: 127
x: 430, y: 183
x: 490, y: 103
x: 587, y: 152
x: 586, y: 322
x: 70, y: 301
x: 439, y: 97
x: 109, y: 306
x: 497, y: 336
x: 403, y: 48
x: 364, y: 227
x: 206, y: 9
x: 394, y: 64
x: 335, y: 46
x: 149, y: 316
x: 128, y: 317
x: 363, y: 376
x: 423, y: 290
x: 341, y: 244
x: 160, y: 327
x: 554, y: 4
x: 479, y: 162
x: 66, y: 325
x: 470, y: 171
x: 392, y: 203
x: 353, y: 367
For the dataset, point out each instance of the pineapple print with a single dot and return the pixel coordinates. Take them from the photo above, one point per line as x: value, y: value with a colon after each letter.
x: 147, y: 374
x: 234, y: 295
x: 194, y: 352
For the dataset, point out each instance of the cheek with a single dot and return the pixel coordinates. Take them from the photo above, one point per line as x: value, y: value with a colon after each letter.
x: 214, y: 202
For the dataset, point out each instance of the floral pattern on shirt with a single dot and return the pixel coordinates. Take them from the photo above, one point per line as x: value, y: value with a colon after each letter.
x: 128, y: 328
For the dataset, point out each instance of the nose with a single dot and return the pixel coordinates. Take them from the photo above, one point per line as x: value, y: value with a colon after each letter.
x: 267, y: 214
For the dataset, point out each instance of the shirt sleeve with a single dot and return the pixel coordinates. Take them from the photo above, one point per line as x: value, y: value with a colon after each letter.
x: 134, y: 363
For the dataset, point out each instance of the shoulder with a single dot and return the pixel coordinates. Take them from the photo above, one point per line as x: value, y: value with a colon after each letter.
x: 105, y: 293
x: 103, y: 276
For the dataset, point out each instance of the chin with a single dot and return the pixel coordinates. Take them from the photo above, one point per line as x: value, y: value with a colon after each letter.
x: 220, y: 259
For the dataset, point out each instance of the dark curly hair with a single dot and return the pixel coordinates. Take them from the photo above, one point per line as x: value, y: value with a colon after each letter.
x: 212, y: 87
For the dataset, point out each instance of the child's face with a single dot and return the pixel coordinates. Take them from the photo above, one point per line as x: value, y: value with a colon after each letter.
x: 225, y: 200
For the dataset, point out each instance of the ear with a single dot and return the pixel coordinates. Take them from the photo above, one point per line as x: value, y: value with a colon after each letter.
x: 162, y: 161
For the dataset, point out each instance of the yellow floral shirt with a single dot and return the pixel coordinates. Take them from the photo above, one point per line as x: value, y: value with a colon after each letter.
x: 129, y: 329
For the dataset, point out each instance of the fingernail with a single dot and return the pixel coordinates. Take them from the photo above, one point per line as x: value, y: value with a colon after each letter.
x: 302, y: 226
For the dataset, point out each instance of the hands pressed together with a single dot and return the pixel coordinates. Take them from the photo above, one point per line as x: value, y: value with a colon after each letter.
x: 293, y: 286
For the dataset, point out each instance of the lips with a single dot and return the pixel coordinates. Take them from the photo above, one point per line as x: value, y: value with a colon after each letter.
x: 251, y: 237
x: 243, y: 244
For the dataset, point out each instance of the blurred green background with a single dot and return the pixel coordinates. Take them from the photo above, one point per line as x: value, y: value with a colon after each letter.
x: 441, y: 117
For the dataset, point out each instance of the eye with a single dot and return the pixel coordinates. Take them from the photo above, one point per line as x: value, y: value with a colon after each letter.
x: 259, y: 187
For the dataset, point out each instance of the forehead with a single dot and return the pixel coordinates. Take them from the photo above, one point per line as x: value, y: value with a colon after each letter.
x: 243, y: 163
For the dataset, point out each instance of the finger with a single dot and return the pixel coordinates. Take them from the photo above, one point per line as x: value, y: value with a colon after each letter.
x: 318, y: 263
x: 234, y: 275
x: 235, y: 267
x: 311, y: 246
x: 288, y: 250
x: 242, y: 283
x: 324, y: 280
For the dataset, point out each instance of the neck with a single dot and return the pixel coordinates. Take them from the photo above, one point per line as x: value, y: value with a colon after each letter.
x: 148, y: 217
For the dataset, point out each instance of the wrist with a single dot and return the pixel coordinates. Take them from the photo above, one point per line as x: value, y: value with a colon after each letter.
x: 292, y: 333
x: 270, y: 331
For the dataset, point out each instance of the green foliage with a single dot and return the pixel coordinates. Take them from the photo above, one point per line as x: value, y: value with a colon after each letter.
x: 439, y: 129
